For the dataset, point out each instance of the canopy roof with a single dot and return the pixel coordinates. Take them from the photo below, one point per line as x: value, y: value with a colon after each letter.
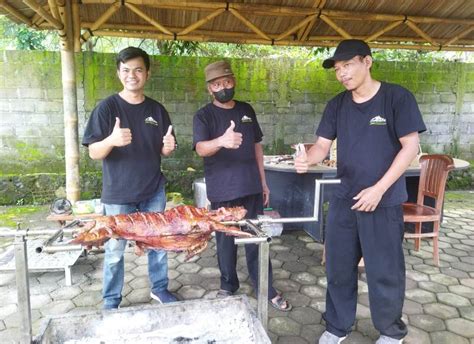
x: 421, y: 24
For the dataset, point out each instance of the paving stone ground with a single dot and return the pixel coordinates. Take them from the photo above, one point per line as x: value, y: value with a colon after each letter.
x: 439, y: 306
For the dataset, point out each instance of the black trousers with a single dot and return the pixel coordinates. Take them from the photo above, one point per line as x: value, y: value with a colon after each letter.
x: 377, y: 236
x: 227, y: 250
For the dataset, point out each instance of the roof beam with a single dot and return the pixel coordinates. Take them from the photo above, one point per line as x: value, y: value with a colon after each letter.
x: 385, y: 29
x: 201, y: 22
x: 58, y: 25
x: 14, y: 12
x: 257, y: 40
x: 332, y: 24
x: 391, y: 17
x: 460, y: 35
x: 304, y: 31
x: 244, y: 35
x: 296, y: 27
x: 153, y: 22
x: 98, y: 23
x: 420, y: 32
x: 249, y: 24
x: 53, y: 7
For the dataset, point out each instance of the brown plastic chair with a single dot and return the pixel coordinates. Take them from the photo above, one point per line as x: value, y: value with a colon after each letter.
x: 433, y: 176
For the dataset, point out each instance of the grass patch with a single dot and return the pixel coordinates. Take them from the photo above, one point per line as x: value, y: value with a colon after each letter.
x: 459, y: 196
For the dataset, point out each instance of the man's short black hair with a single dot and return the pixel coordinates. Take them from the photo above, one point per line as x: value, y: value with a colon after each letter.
x: 130, y: 53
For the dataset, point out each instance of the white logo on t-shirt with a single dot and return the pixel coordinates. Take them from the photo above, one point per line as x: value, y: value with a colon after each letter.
x: 378, y: 120
x: 246, y: 119
x: 151, y: 120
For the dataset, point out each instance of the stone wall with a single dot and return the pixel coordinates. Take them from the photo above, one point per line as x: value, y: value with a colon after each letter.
x: 288, y: 96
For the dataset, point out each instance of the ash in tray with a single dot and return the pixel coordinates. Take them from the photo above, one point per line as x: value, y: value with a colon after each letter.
x: 288, y: 160
x: 128, y: 330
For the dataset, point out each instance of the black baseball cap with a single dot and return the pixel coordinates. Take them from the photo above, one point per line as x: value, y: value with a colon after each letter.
x: 346, y: 50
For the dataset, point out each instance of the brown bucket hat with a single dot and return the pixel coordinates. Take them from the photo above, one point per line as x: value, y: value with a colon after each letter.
x: 217, y: 70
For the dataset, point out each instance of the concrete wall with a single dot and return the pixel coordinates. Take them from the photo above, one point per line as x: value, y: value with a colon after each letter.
x: 288, y: 96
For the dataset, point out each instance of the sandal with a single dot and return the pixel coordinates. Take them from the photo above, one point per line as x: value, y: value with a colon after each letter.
x: 281, y: 304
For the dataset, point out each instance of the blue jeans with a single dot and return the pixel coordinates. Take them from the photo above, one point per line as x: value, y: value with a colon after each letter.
x: 114, y: 251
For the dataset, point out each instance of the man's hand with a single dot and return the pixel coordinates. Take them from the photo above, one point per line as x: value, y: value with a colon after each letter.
x: 301, y: 161
x: 169, y: 142
x: 368, y: 199
x: 266, y: 195
x: 231, y: 139
x: 120, y: 136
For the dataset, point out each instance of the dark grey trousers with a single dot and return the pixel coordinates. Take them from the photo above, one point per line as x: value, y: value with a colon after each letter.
x: 377, y: 236
x: 227, y: 250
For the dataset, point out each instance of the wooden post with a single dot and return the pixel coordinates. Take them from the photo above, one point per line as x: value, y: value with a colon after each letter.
x: 71, y: 136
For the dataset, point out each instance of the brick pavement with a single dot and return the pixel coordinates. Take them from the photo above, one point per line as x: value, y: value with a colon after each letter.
x: 439, y: 306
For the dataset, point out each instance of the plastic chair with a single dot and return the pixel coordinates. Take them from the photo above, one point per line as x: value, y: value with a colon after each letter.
x: 433, y: 176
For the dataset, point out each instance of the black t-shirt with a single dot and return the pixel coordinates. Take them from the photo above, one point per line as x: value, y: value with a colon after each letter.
x: 131, y: 173
x: 230, y: 173
x: 368, y: 138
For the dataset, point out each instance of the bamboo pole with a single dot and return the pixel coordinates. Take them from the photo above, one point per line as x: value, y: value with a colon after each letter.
x: 420, y: 32
x: 102, y: 19
x: 38, y: 20
x: 53, y: 7
x: 256, y: 40
x: 201, y: 22
x: 225, y: 36
x: 71, y: 135
x: 385, y: 29
x: 460, y: 35
x: 249, y: 24
x: 148, y: 19
x: 364, y: 16
x: 332, y: 24
x: 222, y: 36
x: 296, y: 27
x: 39, y: 9
x: 76, y: 26
x: 14, y: 12
x: 304, y: 31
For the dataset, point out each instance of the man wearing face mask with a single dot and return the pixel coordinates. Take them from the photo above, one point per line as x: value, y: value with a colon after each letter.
x: 227, y: 135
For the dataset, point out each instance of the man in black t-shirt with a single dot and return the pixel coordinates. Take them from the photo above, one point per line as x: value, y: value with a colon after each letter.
x: 129, y: 132
x: 376, y: 125
x: 227, y: 135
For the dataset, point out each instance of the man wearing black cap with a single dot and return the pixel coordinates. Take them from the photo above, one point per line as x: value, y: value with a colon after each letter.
x: 376, y: 125
x: 227, y: 135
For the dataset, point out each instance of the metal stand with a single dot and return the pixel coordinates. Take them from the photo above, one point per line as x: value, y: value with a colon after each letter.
x: 20, y: 266
x: 23, y: 289
x: 263, y: 240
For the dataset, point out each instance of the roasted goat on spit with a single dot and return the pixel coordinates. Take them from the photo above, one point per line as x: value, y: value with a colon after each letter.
x: 184, y: 228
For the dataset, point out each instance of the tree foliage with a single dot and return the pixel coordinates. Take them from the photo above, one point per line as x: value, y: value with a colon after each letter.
x: 21, y: 37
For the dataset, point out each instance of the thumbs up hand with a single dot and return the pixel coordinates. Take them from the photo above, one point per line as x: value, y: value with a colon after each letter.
x: 301, y: 159
x: 231, y: 139
x: 120, y: 136
x: 169, y: 142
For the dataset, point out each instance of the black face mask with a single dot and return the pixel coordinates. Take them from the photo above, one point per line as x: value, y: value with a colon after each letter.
x: 225, y: 95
